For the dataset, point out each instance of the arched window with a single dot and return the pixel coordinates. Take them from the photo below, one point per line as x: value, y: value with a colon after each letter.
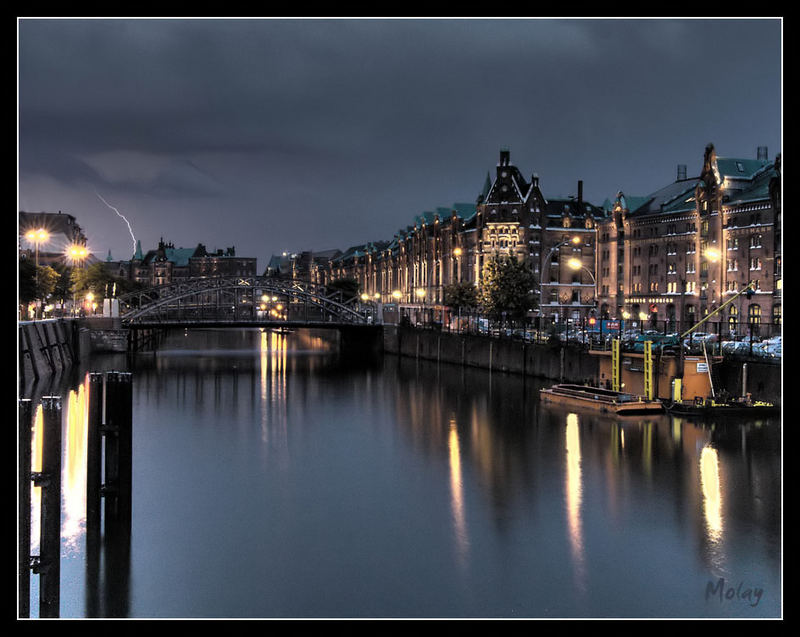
x: 733, y: 317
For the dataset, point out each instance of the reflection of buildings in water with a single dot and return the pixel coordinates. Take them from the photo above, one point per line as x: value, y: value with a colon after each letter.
x: 574, y: 496
x: 263, y: 351
x: 457, y: 494
x: 74, y: 471
x: 647, y: 447
x: 712, y: 504
x: 273, y: 358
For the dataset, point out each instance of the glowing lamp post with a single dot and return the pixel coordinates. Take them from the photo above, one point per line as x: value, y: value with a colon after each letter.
x: 36, y: 237
x: 420, y: 292
x: 77, y: 254
x: 575, y: 241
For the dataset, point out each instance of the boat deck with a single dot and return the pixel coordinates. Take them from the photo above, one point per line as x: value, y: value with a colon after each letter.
x: 599, y: 399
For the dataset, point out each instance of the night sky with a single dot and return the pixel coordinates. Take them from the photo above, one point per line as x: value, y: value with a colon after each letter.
x: 287, y: 135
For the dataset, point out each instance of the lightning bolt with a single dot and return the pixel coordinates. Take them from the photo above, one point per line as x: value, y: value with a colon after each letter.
x: 121, y: 216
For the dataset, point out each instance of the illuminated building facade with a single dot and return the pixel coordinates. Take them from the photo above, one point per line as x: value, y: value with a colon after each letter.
x: 511, y: 218
x: 681, y: 252
x: 167, y: 263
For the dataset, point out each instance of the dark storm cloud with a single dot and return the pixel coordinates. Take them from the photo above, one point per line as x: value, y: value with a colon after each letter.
x: 351, y: 127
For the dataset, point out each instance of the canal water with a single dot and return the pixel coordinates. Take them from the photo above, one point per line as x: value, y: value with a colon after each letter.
x: 274, y: 478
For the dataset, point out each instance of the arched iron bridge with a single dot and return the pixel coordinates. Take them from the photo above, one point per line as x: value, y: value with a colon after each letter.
x: 236, y: 301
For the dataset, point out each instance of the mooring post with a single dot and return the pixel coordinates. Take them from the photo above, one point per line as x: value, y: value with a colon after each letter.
x: 94, y: 454
x: 25, y: 415
x: 49, y: 562
x: 119, y: 448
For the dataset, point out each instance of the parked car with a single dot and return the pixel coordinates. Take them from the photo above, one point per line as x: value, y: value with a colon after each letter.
x: 735, y: 347
x: 769, y: 348
x: 694, y: 342
x: 667, y: 343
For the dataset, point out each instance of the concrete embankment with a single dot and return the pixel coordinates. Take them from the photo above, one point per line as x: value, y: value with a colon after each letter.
x: 51, y: 346
x: 560, y: 363
x: 47, y: 347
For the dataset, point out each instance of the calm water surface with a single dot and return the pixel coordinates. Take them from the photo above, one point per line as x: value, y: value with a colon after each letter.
x: 273, y: 479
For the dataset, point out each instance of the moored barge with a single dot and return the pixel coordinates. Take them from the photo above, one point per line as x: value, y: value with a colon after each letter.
x: 599, y: 399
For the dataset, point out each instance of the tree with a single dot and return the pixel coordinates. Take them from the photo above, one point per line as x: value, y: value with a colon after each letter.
x: 48, y: 279
x: 27, y: 281
x: 347, y: 286
x: 93, y: 278
x: 35, y: 283
x: 507, y: 288
x: 100, y: 282
x: 460, y: 296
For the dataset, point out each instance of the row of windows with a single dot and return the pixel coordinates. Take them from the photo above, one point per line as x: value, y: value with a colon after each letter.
x: 732, y: 243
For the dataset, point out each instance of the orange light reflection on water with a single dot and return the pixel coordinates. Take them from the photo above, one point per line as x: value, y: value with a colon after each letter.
x: 74, y: 469
x: 457, y: 493
x: 37, y: 442
x: 574, y: 495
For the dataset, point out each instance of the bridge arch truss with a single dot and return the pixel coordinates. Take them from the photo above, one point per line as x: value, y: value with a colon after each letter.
x: 239, y: 300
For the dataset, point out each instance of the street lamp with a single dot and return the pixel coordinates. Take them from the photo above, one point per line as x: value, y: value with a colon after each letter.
x: 577, y: 264
x: 575, y: 241
x: 77, y: 253
x: 36, y: 237
x: 420, y: 292
x: 457, y: 254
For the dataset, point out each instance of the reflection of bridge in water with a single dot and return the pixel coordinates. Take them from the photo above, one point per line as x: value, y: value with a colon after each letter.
x: 236, y: 302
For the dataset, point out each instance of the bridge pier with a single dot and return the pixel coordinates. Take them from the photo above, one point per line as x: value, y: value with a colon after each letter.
x: 361, y: 342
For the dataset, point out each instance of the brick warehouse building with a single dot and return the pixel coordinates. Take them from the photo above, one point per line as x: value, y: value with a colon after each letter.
x: 682, y: 251
x: 511, y: 216
x: 674, y: 255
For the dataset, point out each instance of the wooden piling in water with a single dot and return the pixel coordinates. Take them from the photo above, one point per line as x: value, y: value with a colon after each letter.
x: 94, y: 454
x: 109, y: 466
x: 24, y: 502
x: 119, y: 448
x: 49, y: 561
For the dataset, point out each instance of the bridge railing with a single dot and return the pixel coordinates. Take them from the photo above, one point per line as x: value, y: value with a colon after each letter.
x: 239, y: 299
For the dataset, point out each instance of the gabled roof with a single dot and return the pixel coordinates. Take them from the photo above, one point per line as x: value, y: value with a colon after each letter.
x: 179, y: 256
x: 465, y: 210
x: 757, y: 189
x: 740, y: 168
x: 558, y: 207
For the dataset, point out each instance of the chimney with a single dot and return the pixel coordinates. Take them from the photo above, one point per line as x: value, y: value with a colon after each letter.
x: 762, y: 153
x: 580, y: 193
x: 505, y: 157
x: 681, y: 171
x: 535, y: 180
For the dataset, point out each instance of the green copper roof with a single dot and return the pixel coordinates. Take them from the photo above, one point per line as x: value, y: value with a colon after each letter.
x: 179, y: 256
x: 740, y: 168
